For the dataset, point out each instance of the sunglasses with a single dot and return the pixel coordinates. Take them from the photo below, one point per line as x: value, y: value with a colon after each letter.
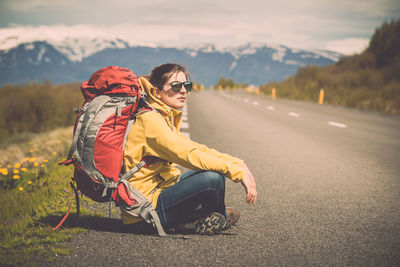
x: 177, y: 86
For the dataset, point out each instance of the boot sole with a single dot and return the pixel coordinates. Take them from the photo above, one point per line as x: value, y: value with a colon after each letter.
x: 211, y: 224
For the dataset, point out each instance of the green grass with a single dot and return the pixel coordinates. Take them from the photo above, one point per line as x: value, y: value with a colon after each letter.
x: 36, y: 201
x: 24, y: 229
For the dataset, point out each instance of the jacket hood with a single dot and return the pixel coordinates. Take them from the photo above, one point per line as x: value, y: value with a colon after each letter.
x: 174, y: 115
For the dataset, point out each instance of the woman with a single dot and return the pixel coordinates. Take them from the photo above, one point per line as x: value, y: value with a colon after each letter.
x: 197, y: 195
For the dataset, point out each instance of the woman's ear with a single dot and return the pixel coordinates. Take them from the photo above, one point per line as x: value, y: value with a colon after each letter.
x: 157, y: 93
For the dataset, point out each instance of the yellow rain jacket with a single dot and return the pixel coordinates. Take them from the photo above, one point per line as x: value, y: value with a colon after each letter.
x: 157, y: 134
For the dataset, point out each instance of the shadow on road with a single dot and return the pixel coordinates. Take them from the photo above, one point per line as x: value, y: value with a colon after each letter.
x: 105, y: 224
x: 98, y: 223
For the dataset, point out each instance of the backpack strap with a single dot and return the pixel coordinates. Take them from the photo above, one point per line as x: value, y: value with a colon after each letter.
x: 143, y: 207
x: 138, y: 166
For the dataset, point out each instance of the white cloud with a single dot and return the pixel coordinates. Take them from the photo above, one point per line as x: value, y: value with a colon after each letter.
x: 348, y: 46
x: 340, y: 25
x: 169, y: 35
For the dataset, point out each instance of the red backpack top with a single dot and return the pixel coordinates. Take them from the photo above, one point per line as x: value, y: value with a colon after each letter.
x: 110, y: 80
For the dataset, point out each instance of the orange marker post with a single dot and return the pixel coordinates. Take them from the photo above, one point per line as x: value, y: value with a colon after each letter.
x: 273, y: 94
x: 321, y: 96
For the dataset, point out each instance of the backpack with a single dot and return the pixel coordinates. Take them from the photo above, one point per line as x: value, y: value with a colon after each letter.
x: 113, y: 98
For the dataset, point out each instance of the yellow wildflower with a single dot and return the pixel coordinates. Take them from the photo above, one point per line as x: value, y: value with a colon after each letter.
x: 17, y: 165
x: 32, y: 159
x: 29, y: 182
x: 26, y: 159
x: 4, y: 171
x: 21, y: 189
x: 54, y: 153
x: 16, y: 171
x: 45, y: 160
x: 8, y: 166
x: 42, y: 166
x: 23, y: 169
x: 16, y: 177
x: 35, y: 164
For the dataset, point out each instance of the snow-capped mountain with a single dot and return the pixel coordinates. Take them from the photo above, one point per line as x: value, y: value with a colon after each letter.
x: 73, y: 59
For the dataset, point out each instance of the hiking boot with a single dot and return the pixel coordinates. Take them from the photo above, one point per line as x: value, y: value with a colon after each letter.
x: 232, y: 216
x: 211, y: 224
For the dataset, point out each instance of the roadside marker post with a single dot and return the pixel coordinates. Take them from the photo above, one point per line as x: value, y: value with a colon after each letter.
x: 321, y: 96
x: 273, y: 94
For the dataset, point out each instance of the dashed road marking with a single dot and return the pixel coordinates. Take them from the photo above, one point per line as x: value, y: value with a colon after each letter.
x: 185, y: 123
x: 293, y: 114
x: 255, y: 103
x: 337, y: 124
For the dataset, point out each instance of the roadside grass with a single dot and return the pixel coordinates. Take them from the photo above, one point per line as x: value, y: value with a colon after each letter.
x: 34, y: 196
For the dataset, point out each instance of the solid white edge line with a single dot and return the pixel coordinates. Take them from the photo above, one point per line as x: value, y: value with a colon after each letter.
x: 337, y: 124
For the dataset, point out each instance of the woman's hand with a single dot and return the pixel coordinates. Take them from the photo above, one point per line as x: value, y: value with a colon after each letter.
x: 250, y: 186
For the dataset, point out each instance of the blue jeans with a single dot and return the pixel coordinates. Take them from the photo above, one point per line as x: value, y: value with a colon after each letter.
x: 196, y: 193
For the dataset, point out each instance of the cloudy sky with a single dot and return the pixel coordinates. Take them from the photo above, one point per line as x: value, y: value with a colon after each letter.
x: 339, y: 25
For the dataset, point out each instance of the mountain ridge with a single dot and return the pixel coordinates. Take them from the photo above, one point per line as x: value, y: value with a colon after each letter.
x: 75, y: 59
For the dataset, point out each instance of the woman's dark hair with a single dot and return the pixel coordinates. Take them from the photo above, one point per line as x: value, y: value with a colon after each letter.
x: 160, y: 74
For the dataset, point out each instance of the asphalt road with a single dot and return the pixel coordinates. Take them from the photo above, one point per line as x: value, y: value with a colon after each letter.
x: 328, y: 180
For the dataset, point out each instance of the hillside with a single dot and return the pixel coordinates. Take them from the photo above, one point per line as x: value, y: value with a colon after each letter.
x: 368, y: 81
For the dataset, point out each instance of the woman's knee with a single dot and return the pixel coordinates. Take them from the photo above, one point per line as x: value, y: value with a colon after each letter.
x: 215, y: 179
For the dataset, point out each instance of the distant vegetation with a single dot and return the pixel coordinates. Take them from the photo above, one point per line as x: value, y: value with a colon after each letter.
x: 36, y: 108
x: 368, y: 81
x: 229, y: 83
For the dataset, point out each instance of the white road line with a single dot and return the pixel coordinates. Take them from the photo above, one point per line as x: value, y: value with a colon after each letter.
x: 270, y: 108
x: 185, y: 125
x: 337, y: 124
x: 185, y: 133
x: 255, y: 103
x: 293, y: 114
